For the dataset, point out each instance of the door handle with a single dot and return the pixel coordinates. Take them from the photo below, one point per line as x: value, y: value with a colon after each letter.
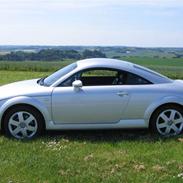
x: 122, y: 93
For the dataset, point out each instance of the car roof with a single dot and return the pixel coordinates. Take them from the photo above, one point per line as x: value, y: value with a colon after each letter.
x: 104, y: 62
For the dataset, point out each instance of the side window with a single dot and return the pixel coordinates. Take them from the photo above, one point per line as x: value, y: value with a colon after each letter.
x: 105, y: 77
x: 99, y: 73
x: 97, y: 77
x: 133, y: 79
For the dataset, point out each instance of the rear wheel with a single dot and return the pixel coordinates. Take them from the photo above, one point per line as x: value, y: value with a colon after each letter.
x: 168, y: 120
x: 23, y: 122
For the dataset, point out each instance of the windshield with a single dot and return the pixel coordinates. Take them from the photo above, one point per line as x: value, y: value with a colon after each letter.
x: 48, y: 81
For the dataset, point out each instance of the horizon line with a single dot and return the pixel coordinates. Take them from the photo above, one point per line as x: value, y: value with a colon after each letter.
x: 55, y: 45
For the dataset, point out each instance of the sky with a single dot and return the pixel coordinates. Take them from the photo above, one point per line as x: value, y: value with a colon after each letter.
x: 144, y: 23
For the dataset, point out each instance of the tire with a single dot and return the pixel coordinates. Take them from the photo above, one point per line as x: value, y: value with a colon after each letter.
x: 167, y: 121
x: 23, y: 122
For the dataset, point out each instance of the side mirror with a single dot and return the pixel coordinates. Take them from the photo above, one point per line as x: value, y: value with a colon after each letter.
x: 77, y: 84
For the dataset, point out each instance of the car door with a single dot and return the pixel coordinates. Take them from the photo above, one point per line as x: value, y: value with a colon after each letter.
x: 92, y: 103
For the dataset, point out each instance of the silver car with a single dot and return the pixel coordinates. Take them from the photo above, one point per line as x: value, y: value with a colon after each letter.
x: 93, y: 94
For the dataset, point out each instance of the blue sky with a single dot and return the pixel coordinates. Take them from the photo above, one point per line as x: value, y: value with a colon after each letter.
x: 150, y: 23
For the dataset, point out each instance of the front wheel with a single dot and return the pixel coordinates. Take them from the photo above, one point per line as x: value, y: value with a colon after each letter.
x: 168, y: 121
x: 23, y: 122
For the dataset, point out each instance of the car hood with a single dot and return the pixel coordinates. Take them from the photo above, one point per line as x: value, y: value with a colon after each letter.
x: 24, y: 88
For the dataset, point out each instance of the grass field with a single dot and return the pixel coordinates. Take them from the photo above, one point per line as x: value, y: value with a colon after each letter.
x: 90, y: 156
x: 170, y: 67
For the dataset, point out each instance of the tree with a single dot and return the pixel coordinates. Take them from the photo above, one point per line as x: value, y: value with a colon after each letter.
x: 93, y: 54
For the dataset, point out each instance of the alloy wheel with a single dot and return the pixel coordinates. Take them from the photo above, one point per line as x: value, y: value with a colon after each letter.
x: 22, y: 125
x: 170, y: 122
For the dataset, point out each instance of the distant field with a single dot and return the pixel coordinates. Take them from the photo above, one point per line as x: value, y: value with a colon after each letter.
x: 172, y: 68
x: 51, y: 66
x: 12, y: 76
x: 36, y: 66
x: 148, y: 61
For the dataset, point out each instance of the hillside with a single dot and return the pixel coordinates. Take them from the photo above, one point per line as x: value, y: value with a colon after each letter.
x: 79, y: 52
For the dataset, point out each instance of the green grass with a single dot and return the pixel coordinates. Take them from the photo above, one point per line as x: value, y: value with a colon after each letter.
x: 90, y: 156
x: 170, y: 67
x: 12, y: 76
x: 148, y: 61
x: 36, y: 66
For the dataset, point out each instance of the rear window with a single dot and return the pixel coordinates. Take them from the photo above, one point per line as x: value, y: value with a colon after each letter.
x: 149, y: 71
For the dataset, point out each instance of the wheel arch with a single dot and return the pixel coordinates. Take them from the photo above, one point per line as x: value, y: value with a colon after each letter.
x: 24, y: 101
x: 177, y: 101
x: 163, y: 105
